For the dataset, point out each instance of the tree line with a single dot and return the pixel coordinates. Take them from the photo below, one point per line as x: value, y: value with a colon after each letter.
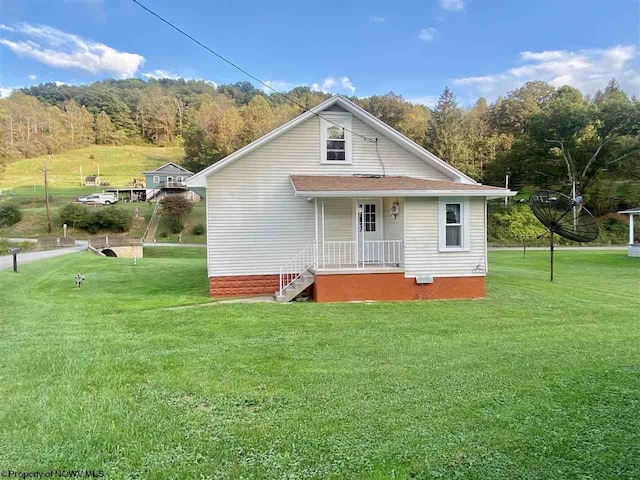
x: 538, y: 134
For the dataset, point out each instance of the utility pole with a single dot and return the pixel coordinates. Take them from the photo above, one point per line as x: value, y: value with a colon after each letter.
x: 80, y: 175
x: 46, y: 192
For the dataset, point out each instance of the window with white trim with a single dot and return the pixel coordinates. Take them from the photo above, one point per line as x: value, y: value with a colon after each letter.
x: 335, y: 137
x: 454, y: 224
x: 156, y: 179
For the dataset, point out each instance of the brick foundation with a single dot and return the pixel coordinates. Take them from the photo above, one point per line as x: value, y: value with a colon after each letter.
x: 243, y: 285
x: 393, y: 286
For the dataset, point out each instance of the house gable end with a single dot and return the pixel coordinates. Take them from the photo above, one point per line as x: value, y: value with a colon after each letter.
x: 338, y: 104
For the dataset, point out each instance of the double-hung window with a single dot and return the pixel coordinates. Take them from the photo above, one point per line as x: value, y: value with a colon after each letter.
x: 454, y: 224
x: 335, y: 135
x: 156, y: 179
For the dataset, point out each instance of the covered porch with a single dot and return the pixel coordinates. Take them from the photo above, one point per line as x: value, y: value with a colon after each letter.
x: 634, y: 246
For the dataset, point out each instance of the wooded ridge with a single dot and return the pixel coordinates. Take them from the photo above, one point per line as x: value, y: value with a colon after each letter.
x: 540, y: 135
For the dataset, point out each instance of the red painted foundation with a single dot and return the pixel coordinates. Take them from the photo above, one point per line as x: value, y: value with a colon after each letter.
x: 393, y: 286
x: 354, y: 287
x: 243, y: 285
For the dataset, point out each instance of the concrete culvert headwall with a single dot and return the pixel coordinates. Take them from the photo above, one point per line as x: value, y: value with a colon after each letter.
x: 109, y: 253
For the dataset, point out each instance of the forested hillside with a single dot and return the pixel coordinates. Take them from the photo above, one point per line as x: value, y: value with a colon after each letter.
x: 541, y: 135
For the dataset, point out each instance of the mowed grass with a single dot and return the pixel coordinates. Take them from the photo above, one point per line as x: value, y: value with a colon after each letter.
x: 536, y: 381
x: 118, y: 165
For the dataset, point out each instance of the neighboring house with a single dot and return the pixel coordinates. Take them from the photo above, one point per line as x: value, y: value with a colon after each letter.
x: 92, y: 181
x: 169, y: 179
x: 337, y: 201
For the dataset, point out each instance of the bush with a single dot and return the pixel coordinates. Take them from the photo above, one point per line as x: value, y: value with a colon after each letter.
x: 176, y: 207
x: 74, y: 215
x: 9, y: 215
x: 198, y: 229
x: 163, y: 235
x: 177, y: 227
x: 93, y: 220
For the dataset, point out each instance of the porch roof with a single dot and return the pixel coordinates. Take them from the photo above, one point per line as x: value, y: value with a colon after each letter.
x: 359, y: 185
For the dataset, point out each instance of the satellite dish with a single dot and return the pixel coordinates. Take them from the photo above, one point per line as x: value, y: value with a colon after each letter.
x: 563, y: 216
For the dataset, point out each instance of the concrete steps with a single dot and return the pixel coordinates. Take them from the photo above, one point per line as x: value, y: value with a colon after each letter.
x: 296, y: 288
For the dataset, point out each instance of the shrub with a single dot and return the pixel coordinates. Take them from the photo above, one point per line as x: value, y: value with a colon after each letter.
x: 198, y: 229
x: 93, y: 220
x: 176, y: 207
x: 9, y: 215
x: 74, y: 215
x: 163, y: 235
x: 177, y: 227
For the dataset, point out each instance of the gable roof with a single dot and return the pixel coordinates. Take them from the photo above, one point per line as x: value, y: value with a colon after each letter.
x: 631, y: 210
x: 169, y: 167
x: 198, y: 180
x: 378, y: 185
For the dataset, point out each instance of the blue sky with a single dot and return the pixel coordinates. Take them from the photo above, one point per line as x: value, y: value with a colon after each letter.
x: 415, y: 48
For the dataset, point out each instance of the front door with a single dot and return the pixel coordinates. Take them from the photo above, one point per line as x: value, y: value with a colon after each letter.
x: 369, y: 230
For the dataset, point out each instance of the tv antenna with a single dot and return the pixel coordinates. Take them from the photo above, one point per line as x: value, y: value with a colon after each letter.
x: 563, y: 216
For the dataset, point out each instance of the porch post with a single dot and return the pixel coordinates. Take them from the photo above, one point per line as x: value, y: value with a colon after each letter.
x: 315, y: 208
x: 323, y: 233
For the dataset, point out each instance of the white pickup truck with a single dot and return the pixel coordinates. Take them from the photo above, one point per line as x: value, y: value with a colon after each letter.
x: 98, y: 198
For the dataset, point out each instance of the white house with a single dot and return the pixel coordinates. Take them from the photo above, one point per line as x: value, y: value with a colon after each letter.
x: 337, y: 201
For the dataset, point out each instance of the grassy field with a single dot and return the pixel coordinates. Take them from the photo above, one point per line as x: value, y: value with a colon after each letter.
x: 118, y: 165
x: 536, y: 381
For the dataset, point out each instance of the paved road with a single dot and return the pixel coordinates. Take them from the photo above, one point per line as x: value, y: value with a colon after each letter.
x: 6, y: 261
x: 157, y: 244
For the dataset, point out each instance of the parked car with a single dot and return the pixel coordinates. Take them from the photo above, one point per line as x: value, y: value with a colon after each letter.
x: 98, y: 198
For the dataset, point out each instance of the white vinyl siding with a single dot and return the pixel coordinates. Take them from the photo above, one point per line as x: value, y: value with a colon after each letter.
x: 338, y: 219
x: 255, y: 224
x: 393, y: 227
x: 422, y: 244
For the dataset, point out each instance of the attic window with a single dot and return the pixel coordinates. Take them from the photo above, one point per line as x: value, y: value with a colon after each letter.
x: 335, y: 137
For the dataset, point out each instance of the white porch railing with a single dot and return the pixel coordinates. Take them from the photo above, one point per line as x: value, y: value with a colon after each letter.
x: 297, y: 266
x: 353, y: 254
x: 342, y: 255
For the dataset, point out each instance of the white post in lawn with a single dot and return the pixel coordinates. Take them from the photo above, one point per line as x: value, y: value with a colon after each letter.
x: 631, y: 229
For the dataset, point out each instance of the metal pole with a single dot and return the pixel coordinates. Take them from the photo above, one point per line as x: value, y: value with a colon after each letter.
x: 506, y: 184
x: 573, y: 198
x: 15, y: 262
x: 551, y: 251
x: 46, y: 193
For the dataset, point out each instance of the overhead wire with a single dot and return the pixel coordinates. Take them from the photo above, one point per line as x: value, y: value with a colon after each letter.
x: 253, y: 77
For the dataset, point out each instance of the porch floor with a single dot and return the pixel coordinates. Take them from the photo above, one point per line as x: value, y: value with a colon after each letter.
x: 351, y: 268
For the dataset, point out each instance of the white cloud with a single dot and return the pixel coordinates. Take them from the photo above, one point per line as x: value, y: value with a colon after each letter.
x: 279, y: 85
x: 427, y: 34
x: 378, y: 19
x: 5, y: 92
x: 59, y: 83
x: 587, y: 70
x: 426, y: 100
x: 6, y: 28
x: 65, y: 50
x: 32, y: 77
x: 454, y: 5
x: 157, y: 74
x: 334, y: 85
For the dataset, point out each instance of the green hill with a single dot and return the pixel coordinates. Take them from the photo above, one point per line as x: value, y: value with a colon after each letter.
x: 118, y: 165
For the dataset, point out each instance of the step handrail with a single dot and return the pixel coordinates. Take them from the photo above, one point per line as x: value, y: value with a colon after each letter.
x: 301, y: 263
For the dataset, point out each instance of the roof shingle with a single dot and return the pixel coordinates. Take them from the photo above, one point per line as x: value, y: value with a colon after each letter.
x: 363, y: 183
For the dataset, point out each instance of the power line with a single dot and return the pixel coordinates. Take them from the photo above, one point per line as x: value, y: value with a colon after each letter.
x: 253, y: 77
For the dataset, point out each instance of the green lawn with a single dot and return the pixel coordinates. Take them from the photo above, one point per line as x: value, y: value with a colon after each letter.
x: 118, y: 165
x: 536, y: 381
